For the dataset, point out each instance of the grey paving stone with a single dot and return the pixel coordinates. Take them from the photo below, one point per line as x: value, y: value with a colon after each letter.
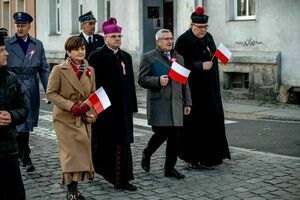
x: 240, y: 189
x: 249, y: 175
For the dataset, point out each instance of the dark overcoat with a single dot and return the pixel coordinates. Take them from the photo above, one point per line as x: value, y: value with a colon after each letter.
x: 113, y: 128
x: 28, y: 68
x: 12, y: 100
x: 204, y: 127
x: 115, y: 124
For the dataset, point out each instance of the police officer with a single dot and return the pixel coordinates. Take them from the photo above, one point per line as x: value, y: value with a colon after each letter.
x: 93, y: 41
x: 27, y: 60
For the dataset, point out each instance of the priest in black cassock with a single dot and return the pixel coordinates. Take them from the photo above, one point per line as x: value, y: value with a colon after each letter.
x: 112, y: 133
x: 203, y: 141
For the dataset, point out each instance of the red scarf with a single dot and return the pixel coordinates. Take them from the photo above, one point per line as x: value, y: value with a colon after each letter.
x: 75, y: 68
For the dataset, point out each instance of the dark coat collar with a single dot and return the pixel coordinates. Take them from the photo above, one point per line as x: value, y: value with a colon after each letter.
x: 3, y: 72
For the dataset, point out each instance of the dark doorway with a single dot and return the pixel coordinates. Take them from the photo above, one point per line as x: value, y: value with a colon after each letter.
x: 157, y: 14
x: 168, y: 15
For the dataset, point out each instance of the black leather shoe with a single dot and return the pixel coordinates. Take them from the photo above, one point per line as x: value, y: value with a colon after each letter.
x: 79, y: 196
x: 145, y: 162
x: 30, y: 167
x: 175, y: 174
x: 126, y: 186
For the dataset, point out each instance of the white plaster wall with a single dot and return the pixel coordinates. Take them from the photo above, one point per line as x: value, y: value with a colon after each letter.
x: 127, y: 14
x: 183, y: 16
x: 277, y: 26
x: 56, y: 42
x: 53, y: 42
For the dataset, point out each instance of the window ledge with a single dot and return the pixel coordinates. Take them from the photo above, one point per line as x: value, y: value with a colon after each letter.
x: 54, y: 34
x: 266, y: 57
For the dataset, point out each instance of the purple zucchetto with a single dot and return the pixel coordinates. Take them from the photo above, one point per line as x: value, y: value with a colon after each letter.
x: 110, y: 26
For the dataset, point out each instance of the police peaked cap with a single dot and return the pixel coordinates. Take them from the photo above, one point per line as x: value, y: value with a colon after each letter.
x: 22, y: 17
x: 87, y: 17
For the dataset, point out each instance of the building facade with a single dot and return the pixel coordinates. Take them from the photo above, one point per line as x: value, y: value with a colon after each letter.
x: 9, y: 7
x: 262, y: 34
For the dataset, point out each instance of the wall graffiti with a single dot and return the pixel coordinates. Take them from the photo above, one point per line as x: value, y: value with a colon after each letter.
x: 248, y: 42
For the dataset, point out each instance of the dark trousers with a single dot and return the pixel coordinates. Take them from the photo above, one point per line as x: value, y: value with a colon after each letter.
x: 161, y: 134
x: 23, y: 147
x: 12, y: 185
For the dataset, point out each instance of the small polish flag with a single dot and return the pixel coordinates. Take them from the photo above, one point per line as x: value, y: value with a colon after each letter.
x: 223, y: 54
x: 179, y: 73
x: 99, y: 100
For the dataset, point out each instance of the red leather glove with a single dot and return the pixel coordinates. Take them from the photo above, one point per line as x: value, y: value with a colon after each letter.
x: 76, y: 110
x: 84, y: 108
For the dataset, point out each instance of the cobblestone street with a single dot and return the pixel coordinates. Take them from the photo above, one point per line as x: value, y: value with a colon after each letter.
x: 249, y: 175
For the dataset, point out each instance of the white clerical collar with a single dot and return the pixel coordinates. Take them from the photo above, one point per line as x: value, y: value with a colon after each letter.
x: 115, y: 51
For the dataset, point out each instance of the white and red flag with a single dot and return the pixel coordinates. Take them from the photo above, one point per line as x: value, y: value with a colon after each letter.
x: 99, y: 100
x: 179, y: 73
x: 223, y: 54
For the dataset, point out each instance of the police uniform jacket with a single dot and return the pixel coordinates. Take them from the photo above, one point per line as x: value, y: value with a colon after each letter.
x: 27, y: 67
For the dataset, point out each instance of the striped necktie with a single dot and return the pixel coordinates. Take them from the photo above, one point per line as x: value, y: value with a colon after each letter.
x: 168, y: 55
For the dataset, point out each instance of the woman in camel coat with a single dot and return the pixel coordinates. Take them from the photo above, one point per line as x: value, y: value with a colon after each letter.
x: 70, y: 84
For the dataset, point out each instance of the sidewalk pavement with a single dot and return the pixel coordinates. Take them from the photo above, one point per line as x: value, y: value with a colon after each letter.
x: 249, y: 109
x: 249, y: 175
x: 260, y: 110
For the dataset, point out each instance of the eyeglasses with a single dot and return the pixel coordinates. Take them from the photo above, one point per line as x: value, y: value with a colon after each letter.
x: 115, y: 36
x: 167, y: 38
x: 200, y: 26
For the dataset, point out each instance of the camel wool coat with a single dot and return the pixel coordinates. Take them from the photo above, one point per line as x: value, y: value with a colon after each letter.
x: 64, y: 89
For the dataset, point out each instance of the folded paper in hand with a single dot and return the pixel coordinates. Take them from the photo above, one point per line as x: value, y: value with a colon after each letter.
x: 159, y: 68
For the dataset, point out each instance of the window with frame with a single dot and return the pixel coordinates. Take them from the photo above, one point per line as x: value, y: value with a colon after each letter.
x: 57, y: 16
x: 54, y: 12
x: 77, y: 10
x: 244, y: 9
x: 20, y: 5
x: 5, y: 14
x: 107, y: 9
x: 103, y: 8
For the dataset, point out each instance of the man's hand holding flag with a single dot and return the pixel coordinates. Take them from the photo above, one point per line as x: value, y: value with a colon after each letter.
x: 178, y: 73
x: 223, y: 54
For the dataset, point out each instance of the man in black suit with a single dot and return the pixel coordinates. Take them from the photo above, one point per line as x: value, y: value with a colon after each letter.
x: 93, y: 40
